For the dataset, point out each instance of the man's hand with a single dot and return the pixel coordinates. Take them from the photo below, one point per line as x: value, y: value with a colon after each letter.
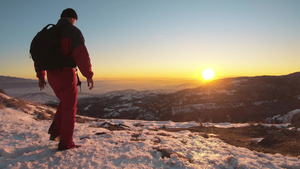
x: 42, y: 83
x: 90, y: 83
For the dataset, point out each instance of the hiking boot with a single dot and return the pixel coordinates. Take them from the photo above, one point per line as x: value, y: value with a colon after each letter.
x: 54, y: 138
x: 60, y: 148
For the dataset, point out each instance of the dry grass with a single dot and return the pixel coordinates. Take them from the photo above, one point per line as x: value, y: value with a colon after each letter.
x: 2, y: 91
x: 288, y: 144
x: 14, y: 103
x: 2, y: 106
x: 111, y: 126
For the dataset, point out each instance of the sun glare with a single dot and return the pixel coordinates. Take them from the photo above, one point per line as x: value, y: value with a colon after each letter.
x: 208, y: 74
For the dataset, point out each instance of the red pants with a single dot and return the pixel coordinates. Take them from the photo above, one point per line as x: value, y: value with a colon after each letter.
x: 64, y: 84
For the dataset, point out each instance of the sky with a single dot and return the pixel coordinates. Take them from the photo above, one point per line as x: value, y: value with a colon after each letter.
x: 162, y: 38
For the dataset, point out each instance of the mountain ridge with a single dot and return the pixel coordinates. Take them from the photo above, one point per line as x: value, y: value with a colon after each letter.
x: 236, y: 99
x: 240, y: 99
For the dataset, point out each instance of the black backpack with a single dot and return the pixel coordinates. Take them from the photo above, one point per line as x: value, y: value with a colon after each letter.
x: 45, y: 50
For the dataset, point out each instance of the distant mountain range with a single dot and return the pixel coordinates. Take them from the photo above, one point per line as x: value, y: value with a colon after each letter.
x: 10, y: 79
x: 25, y: 89
x: 241, y: 99
x: 8, y: 82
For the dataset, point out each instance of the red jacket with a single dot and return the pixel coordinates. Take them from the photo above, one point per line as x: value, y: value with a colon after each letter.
x: 72, y: 44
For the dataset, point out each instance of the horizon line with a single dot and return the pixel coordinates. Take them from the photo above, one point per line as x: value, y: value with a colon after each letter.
x: 163, y: 78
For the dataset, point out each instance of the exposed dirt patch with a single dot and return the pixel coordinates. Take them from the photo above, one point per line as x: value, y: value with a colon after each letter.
x: 296, y: 120
x: 273, y: 140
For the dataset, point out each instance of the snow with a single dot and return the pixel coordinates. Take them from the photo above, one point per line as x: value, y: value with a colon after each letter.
x: 87, y: 107
x: 200, y: 106
x: 286, y: 118
x: 24, y: 144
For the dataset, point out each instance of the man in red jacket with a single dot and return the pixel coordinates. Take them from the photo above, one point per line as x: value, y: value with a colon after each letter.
x: 63, y: 80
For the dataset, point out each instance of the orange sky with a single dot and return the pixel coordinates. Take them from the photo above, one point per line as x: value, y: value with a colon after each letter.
x: 163, y: 39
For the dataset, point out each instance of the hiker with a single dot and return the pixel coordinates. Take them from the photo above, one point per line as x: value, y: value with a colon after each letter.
x: 63, y: 80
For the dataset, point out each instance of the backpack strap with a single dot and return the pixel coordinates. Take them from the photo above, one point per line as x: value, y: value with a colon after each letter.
x: 78, y: 80
x: 46, y: 27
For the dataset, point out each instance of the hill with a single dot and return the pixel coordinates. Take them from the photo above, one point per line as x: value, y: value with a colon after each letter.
x: 115, y: 143
x: 26, y: 89
x: 241, y: 99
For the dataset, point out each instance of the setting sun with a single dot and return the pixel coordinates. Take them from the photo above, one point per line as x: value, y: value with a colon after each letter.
x: 208, y: 74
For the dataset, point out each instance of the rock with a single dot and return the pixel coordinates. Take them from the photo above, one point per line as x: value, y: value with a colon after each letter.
x: 168, y: 153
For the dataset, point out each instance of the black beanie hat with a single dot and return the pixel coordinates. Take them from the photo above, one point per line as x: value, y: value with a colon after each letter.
x: 69, y: 13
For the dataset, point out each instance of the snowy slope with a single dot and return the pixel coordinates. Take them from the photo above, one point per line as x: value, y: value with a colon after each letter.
x: 24, y: 144
x: 286, y: 118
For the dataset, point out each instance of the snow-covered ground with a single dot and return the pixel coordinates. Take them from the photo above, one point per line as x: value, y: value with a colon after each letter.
x: 24, y: 144
x: 286, y: 118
